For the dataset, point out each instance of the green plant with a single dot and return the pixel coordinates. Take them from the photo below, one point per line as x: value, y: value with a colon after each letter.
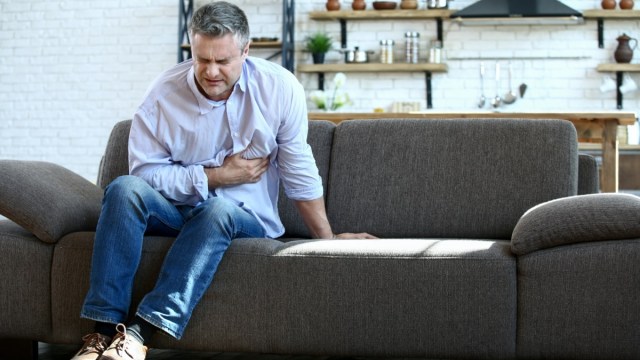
x: 319, y: 43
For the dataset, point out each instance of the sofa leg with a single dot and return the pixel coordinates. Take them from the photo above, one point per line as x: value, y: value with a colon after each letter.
x: 19, y: 349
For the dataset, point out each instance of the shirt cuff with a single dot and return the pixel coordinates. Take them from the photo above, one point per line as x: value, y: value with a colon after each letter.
x: 305, y: 194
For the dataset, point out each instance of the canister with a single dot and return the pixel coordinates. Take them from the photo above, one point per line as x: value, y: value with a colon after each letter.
x: 435, y: 52
x: 412, y: 46
x: 437, y: 4
x: 386, y: 51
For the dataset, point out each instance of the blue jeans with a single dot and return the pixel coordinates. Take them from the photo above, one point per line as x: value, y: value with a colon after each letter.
x: 131, y: 209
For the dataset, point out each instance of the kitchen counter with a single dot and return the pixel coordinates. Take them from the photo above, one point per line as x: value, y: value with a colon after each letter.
x: 600, y: 127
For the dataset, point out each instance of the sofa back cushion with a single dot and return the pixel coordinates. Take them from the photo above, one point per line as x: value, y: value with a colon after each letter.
x: 115, y: 163
x: 320, y: 139
x: 463, y: 178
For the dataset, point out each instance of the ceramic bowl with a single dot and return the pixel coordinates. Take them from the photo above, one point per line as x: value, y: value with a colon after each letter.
x: 384, y: 5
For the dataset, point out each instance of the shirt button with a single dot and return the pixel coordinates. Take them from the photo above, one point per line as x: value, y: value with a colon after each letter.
x: 235, y: 134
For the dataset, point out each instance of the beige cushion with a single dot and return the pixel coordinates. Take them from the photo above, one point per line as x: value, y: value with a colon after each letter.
x: 593, y: 217
x: 47, y: 199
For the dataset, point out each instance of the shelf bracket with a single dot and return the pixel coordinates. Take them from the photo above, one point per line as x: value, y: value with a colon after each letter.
x: 428, y: 81
x: 618, y: 92
x: 343, y: 33
x: 321, y: 81
x: 288, y: 26
x: 601, y: 33
x: 186, y: 10
x: 439, y: 31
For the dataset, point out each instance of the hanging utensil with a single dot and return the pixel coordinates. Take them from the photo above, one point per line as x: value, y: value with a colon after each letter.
x: 510, y: 97
x: 496, y: 101
x: 523, y: 88
x: 483, y: 99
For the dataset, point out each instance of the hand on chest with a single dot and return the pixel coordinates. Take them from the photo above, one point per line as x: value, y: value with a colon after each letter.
x: 209, y: 140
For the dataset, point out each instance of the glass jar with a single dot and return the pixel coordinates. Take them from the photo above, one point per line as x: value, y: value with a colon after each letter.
x: 412, y: 47
x: 386, y: 51
x: 435, y: 52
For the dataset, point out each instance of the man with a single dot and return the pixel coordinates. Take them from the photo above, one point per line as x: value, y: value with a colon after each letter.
x: 207, y: 149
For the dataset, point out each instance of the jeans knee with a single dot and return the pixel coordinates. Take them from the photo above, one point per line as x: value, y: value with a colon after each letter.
x: 125, y: 186
x: 217, y: 208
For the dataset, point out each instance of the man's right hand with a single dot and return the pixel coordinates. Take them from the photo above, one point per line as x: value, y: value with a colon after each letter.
x: 236, y: 170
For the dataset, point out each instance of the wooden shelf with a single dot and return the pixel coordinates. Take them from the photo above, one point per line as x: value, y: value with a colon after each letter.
x: 598, y: 147
x: 618, y: 67
x: 372, y: 67
x: 601, y: 15
x: 255, y: 45
x: 611, y: 14
x: 266, y: 44
x: 380, y: 14
x: 343, y: 16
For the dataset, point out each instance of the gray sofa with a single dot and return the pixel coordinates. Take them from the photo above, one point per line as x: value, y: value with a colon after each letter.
x: 495, y: 244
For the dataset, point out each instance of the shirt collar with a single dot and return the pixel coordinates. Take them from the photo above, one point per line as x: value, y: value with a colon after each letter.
x: 203, y: 103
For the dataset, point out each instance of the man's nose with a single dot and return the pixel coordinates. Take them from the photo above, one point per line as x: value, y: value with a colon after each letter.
x: 213, y: 70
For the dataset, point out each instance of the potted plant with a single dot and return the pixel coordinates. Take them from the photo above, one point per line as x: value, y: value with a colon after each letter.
x: 318, y: 45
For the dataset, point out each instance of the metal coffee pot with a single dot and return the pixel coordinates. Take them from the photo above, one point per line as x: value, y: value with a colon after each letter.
x: 356, y: 56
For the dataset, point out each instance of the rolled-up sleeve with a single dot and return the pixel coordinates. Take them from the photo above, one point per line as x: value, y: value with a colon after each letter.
x: 297, y: 166
x: 151, y: 161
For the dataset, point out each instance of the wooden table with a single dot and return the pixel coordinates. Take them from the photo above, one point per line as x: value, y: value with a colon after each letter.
x: 599, y: 127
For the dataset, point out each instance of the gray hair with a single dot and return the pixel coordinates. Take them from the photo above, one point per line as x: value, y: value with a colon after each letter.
x: 220, y: 18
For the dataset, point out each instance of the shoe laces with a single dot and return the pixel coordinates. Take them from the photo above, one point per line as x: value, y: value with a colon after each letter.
x: 124, y: 341
x: 94, y: 343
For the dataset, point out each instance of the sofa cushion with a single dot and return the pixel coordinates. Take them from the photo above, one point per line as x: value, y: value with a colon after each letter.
x: 320, y: 138
x: 115, y: 161
x: 588, y: 175
x: 47, y: 199
x: 594, y: 217
x: 386, y: 298
x: 470, y: 178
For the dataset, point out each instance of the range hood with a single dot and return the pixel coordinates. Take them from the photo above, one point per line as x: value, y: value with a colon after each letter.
x: 518, y: 12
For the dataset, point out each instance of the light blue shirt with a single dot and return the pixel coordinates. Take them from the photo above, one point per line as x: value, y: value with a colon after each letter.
x: 177, y: 132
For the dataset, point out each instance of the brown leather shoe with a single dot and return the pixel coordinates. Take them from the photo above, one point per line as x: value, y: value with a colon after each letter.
x: 124, y: 347
x: 94, y: 345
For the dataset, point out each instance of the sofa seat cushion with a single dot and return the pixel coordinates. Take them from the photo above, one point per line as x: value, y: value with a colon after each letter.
x: 594, y: 217
x: 400, y: 298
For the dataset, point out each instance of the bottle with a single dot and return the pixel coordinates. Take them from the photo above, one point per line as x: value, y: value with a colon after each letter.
x: 412, y: 47
x: 435, y: 52
x: 386, y: 51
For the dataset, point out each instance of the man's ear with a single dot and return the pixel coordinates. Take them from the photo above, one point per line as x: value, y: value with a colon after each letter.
x: 245, y: 51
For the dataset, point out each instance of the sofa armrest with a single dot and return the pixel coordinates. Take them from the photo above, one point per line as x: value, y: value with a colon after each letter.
x: 574, y: 219
x: 47, y: 199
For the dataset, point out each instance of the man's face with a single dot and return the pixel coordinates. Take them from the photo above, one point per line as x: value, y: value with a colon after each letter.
x: 217, y: 62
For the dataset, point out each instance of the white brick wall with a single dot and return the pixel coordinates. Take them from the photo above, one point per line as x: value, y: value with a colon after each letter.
x: 70, y: 69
